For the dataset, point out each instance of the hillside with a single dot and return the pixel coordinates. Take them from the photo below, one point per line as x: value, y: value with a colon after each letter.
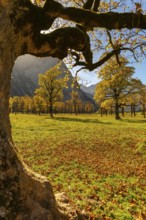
x: 89, y: 89
x: 25, y: 76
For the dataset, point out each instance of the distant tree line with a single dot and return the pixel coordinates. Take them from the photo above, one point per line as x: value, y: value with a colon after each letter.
x: 38, y: 105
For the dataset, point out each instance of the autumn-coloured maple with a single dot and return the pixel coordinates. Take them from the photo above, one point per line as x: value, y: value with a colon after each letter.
x: 51, y: 87
x: 116, y: 83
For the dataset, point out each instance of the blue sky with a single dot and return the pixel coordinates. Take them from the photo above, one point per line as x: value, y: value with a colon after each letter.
x: 89, y: 78
x: 140, y: 71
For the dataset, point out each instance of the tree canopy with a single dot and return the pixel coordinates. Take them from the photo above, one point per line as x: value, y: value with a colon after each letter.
x: 51, y: 86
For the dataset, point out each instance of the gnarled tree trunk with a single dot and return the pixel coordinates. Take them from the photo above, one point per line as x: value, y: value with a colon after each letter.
x: 23, y: 194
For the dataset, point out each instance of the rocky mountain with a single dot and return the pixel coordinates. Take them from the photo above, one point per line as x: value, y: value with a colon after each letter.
x: 89, y: 89
x: 25, y: 76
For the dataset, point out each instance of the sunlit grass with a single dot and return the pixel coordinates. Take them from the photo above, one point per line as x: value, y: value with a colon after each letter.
x: 98, y: 161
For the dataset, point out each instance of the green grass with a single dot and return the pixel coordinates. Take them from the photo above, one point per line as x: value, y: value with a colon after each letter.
x: 100, y: 163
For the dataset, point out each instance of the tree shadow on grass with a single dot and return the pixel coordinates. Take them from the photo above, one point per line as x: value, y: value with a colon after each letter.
x: 94, y: 121
x: 134, y: 120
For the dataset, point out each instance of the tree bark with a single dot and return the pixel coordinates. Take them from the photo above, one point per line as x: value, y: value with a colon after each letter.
x: 123, y: 112
x: 101, y: 111
x: 134, y: 112
x: 117, y: 116
x: 131, y: 110
x: 23, y: 194
x: 51, y: 109
x: 109, y: 20
x: 106, y: 112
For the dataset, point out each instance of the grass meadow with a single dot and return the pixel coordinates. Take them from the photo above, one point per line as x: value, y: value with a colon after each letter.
x: 99, y: 162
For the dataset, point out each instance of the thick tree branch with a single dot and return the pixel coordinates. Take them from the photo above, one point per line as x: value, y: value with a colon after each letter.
x: 98, y: 63
x: 109, y: 20
x: 96, y: 5
x: 58, y: 42
x: 114, y: 46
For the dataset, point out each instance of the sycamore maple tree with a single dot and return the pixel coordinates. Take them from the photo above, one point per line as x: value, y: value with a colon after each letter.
x: 25, y: 195
x: 51, y: 87
x: 116, y: 83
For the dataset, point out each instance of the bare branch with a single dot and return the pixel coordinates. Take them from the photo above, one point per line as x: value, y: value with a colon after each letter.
x: 98, y: 63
